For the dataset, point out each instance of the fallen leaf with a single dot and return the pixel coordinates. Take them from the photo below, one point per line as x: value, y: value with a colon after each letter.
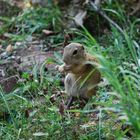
x: 2, y: 73
x: 27, y: 5
x: 61, y: 109
x: 8, y: 84
x: 9, y: 48
x: 48, y: 32
x: 77, y: 114
x: 89, y: 124
x: 79, y: 18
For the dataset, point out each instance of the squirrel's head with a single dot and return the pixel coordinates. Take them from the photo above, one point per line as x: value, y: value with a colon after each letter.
x: 74, y: 53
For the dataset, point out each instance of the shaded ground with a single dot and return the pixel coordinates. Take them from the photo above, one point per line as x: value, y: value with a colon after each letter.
x: 24, y: 60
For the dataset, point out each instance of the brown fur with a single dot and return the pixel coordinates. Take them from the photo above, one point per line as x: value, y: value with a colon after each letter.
x: 82, y: 75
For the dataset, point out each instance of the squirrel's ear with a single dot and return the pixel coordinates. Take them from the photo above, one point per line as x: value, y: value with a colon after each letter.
x: 67, y: 39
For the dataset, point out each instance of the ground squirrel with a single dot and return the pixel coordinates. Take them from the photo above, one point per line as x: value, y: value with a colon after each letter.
x: 82, y: 75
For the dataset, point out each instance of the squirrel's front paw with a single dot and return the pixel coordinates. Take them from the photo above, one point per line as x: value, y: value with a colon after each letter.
x: 57, y: 67
x: 60, y: 68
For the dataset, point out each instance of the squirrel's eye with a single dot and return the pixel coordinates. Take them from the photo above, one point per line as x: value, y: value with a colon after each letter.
x: 75, y: 52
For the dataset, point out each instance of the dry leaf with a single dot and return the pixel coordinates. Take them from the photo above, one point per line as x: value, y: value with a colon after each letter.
x: 9, y: 84
x: 61, y: 109
x: 9, y: 48
x: 89, y: 124
x: 48, y: 32
x: 79, y: 18
x: 77, y: 114
x: 27, y: 5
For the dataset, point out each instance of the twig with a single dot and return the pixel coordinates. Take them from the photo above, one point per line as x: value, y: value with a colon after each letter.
x: 103, y: 14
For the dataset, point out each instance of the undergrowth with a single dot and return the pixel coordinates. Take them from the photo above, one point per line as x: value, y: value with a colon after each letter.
x: 30, y: 111
x: 28, y: 23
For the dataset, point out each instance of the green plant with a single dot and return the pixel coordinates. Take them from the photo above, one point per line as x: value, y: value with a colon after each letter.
x: 30, y: 21
x: 123, y: 78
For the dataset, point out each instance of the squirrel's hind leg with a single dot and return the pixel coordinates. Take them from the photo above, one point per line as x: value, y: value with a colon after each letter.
x: 69, y: 102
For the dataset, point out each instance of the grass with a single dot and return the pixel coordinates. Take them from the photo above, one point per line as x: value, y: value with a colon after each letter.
x: 23, y: 26
x: 28, y: 111
x: 125, y: 82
